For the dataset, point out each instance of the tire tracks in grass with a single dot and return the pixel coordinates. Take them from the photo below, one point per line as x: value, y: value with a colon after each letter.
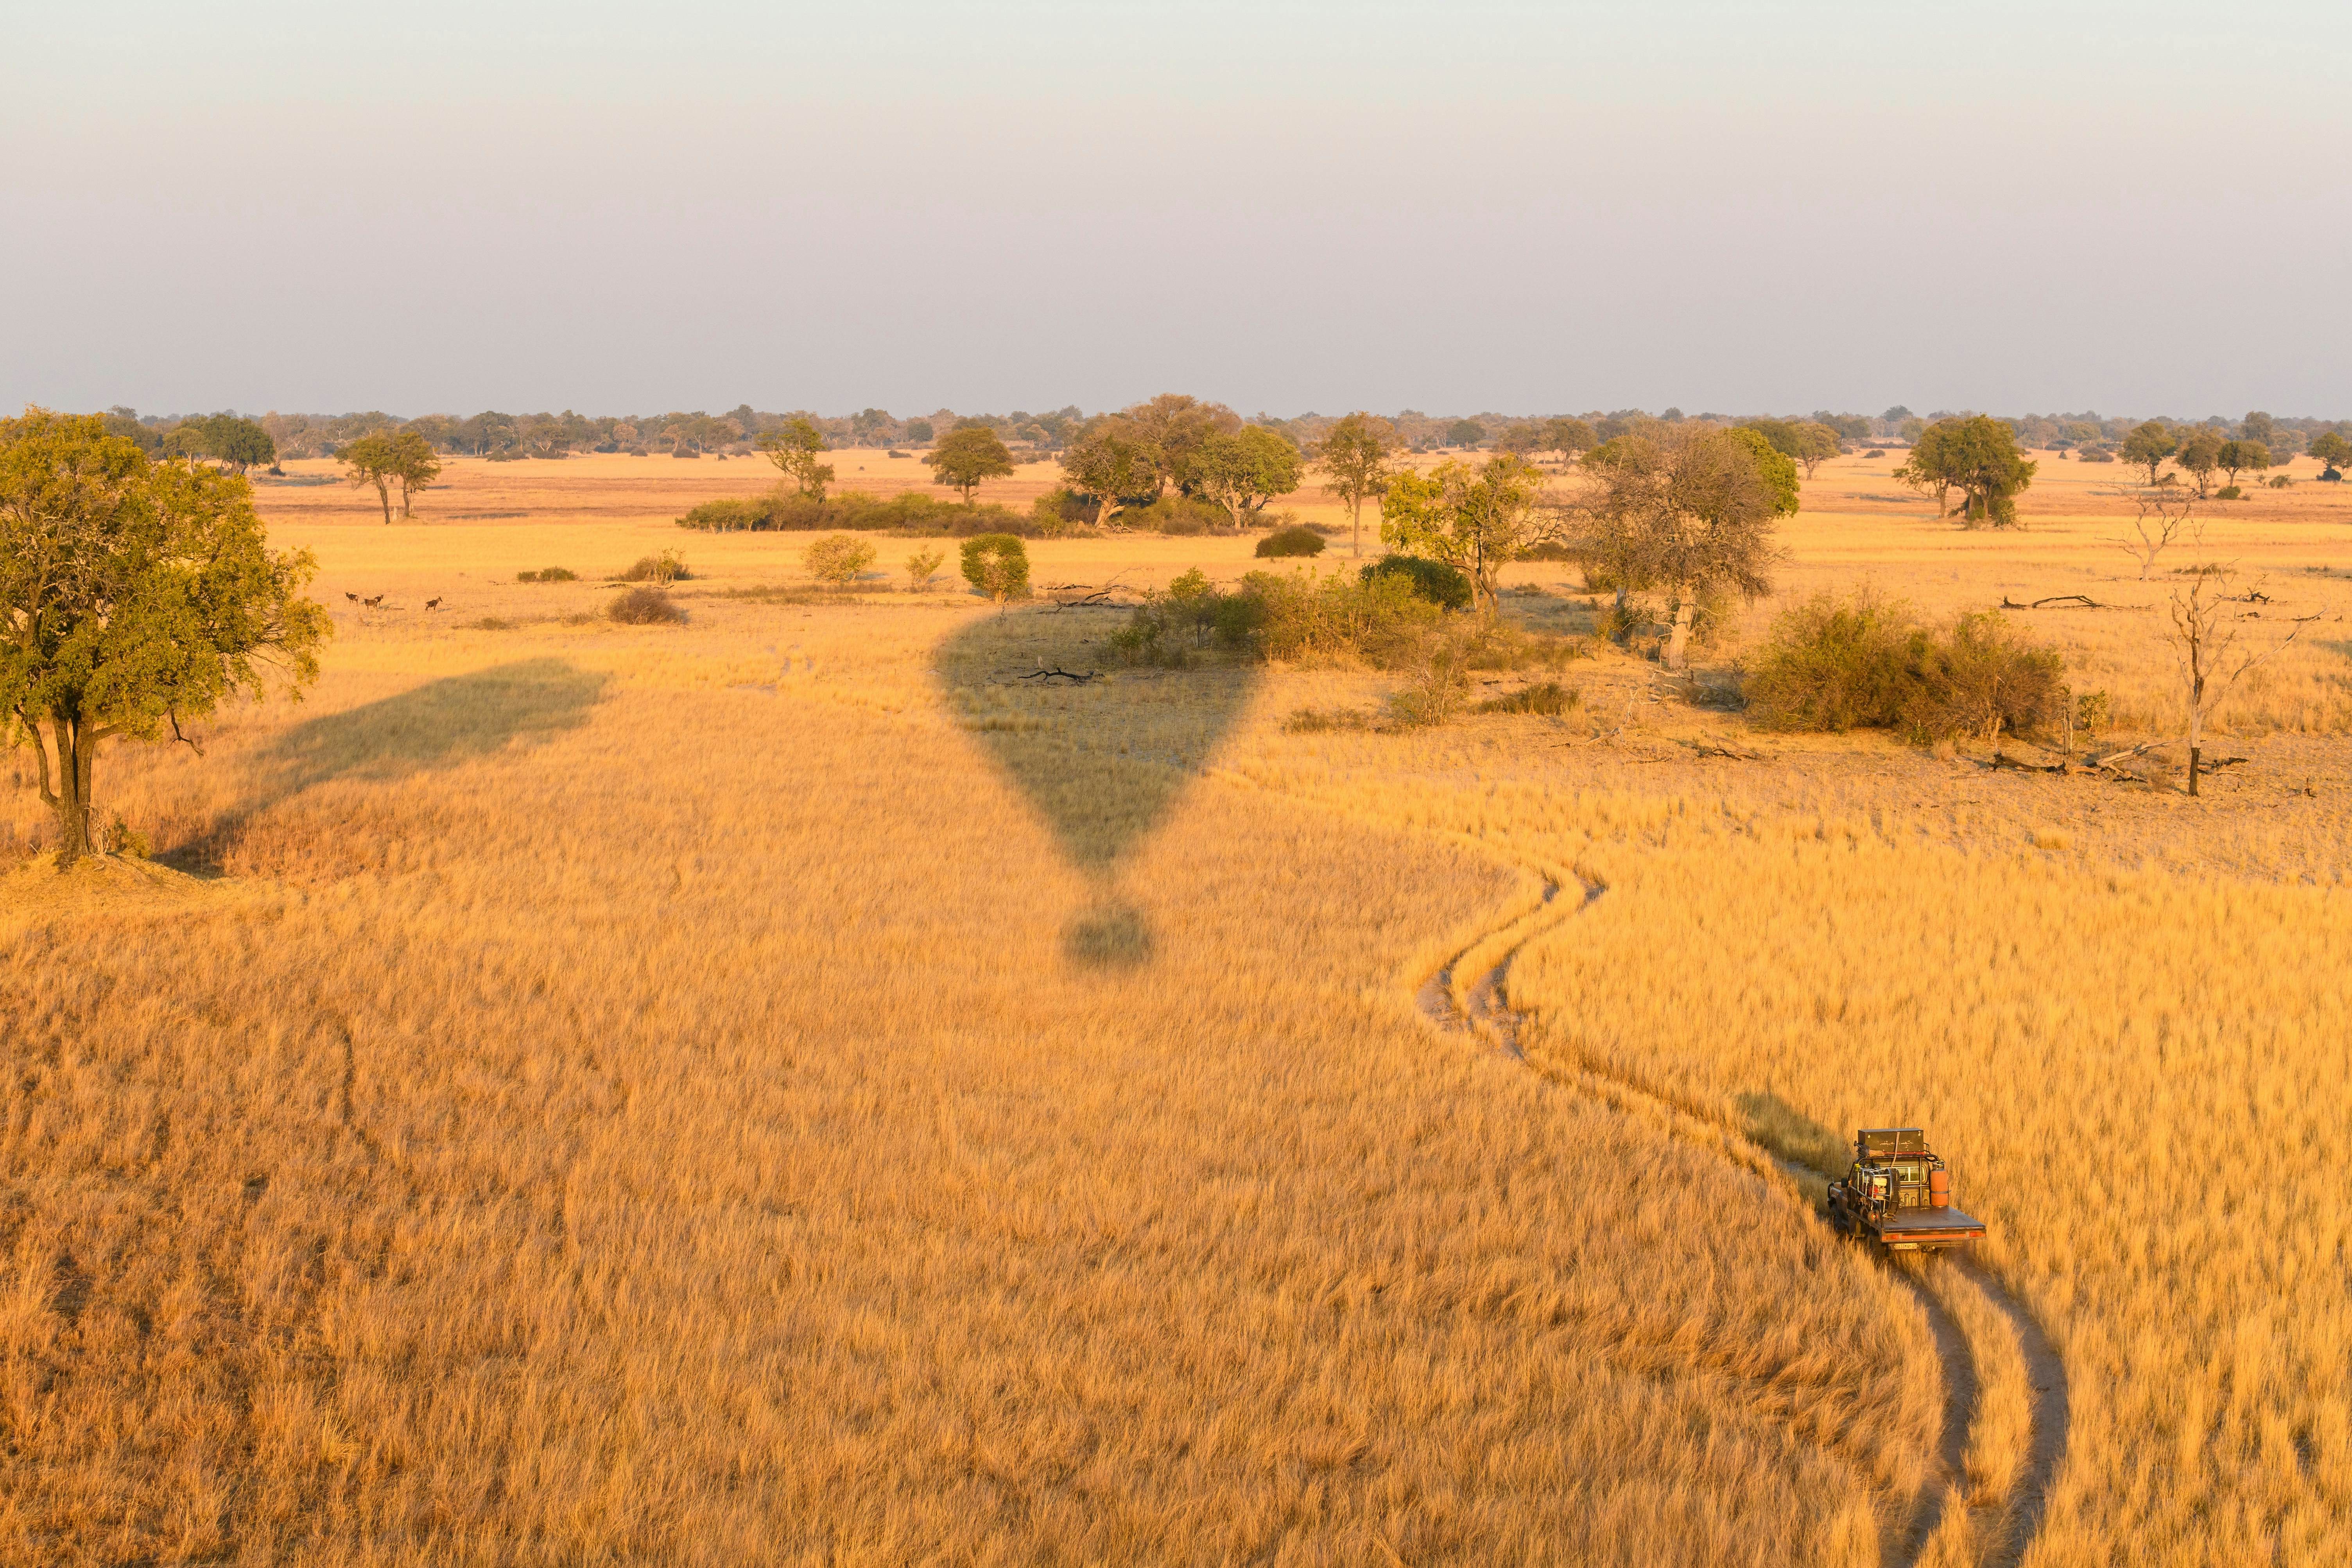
x: 1469, y: 993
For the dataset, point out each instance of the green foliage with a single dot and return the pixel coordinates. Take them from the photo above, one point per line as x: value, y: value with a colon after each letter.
x: 1379, y: 620
x: 1568, y: 437
x: 2199, y: 454
x: 1243, y: 470
x: 1436, y: 689
x: 548, y: 575
x: 967, y: 455
x: 2229, y: 492
x: 1477, y: 520
x: 1183, y: 517
x: 838, y: 559
x: 998, y: 565
x: 133, y: 594
x: 1113, y: 461
x: 919, y: 432
x: 1776, y: 468
x: 794, y: 446
x: 387, y: 458
x: 2149, y: 445
x: 921, y: 566
x: 2331, y: 448
x: 1432, y: 581
x: 1297, y: 540
x: 666, y: 568
x: 2242, y: 456
x: 784, y: 510
x: 647, y: 606
x: 1978, y: 456
x: 1466, y: 433
x: 1866, y: 662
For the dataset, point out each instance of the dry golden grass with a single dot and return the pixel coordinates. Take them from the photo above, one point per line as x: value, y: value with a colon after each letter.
x: 778, y: 1088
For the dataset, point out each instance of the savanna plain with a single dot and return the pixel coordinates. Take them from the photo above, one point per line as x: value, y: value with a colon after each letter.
x: 783, y: 1087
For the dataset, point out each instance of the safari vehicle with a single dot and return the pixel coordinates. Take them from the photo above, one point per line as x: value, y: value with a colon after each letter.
x: 1899, y: 1194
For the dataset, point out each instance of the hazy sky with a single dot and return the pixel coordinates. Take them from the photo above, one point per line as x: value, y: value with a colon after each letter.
x: 2136, y: 208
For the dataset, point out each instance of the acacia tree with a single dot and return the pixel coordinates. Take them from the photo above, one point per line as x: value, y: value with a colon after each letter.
x: 1355, y: 456
x: 967, y: 455
x: 2199, y: 454
x: 1816, y: 444
x: 2332, y: 451
x: 794, y: 447
x: 1112, y: 461
x: 1684, y: 506
x: 134, y: 595
x: 2149, y: 445
x: 1242, y: 471
x: 1477, y: 520
x: 1180, y: 425
x: 413, y: 465
x: 372, y: 461
x: 2243, y: 455
x: 1978, y: 456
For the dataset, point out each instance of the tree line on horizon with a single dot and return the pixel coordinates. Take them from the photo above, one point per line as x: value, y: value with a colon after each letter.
x: 245, y: 440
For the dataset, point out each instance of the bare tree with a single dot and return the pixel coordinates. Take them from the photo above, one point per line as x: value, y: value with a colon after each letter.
x: 2161, y: 521
x: 2206, y: 648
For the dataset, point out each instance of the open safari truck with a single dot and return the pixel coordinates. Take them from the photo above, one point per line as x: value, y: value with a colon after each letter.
x: 1899, y: 1194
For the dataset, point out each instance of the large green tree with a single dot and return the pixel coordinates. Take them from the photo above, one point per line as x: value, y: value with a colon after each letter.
x: 1774, y: 467
x: 1478, y: 519
x: 392, y: 458
x: 2331, y: 448
x: 2200, y: 454
x: 2242, y: 456
x: 1568, y: 437
x: 134, y: 595
x: 2149, y: 445
x: 965, y: 457
x: 1112, y: 459
x: 1242, y: 471
x: 794, y: 446
x: 1355, y: 454
x: 1978, y: 456
x: 1180, y: 424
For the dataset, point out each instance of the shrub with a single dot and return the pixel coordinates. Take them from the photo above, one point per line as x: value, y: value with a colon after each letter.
x: 1058, y: 512
x: 1376, y: 617
x: 664, y: 569
x: 1832, y: 664
x: 785, y: 510
x: 837, y: 559
x: 2229, y: 492
x: 548, y: 575
x: 997, y: 564
x: 1437, y: 692
x: 1316, y: 720
x: 1183, y: 517
x: 2280, y: 481
x: 644, y: 607
x: 1432, y: 581
x: 1547, y: 697
x: 921, y: 566
x: 1290, y: 542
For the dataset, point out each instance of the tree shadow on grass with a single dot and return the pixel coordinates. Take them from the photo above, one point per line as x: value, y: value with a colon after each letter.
x: 440, y: 724
x: 1104, y: 762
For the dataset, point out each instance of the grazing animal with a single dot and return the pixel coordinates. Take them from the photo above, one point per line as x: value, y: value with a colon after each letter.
x: 432, y: 603
x: 354, y: 598
x: 371, y: 604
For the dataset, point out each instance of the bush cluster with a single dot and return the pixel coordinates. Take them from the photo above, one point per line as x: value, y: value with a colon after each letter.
x: 788, y: 511
x: 548, y: 575
x: 666, y: 568
x: 1433, y: 581
x: 1297, y: 540
x: 838, y: 559
x: 644, y: 607
x: 1866, y: 662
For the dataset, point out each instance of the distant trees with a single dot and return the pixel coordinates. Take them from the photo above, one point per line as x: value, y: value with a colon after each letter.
x: 2242, y: 456
x: 236, y: 442
x: 1568, y: 437
x: 390, y: 458
x: 1466, y: 433
x: 794, y: 447
x: 919, y: 432
x: 1355, y: 456
x: 2332, y: 451
x: 2258, y: 427
x: 1686, y: 507
x: 1978, y: 456
x: 2147, y: 446
x: 966, y: 457
x: 1477, y: 520
x: 1243, y: 470
x: 1808, y: 442
x: 2199, y: 454
x: 134, y: 595
x: 1112, y: 461
x: 1180, y: 425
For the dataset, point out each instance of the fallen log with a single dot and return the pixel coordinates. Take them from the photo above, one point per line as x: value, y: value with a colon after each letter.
x: 1058, y: 673
x: 2067, y: 601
